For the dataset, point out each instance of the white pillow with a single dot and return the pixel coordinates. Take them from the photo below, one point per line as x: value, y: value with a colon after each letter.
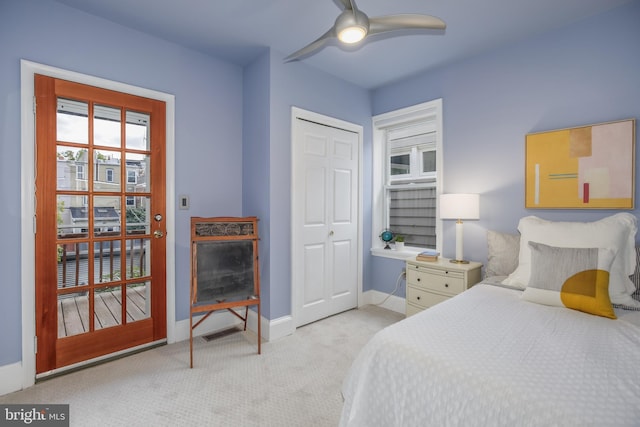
x: 616, y: 232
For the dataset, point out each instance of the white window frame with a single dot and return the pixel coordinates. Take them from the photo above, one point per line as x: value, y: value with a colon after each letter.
x: 80, y: 172
x: 130, y: 174
x: 430, y: 111
x: 109, y: 175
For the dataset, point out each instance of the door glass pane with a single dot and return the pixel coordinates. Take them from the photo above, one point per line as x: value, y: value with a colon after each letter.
x: 71, y: 168
x: 106, y: 266
x: 73, y: 314
x: 138, y: 172
x: 137, y: 131
x: 106, y: 216
x: 138, y: 214
x: 106, y: 170
x: 72, y: 121
x: 107, y: 307
x: 400, y: 164
x: 106, y: 126
x: 71, y: 216
x: 73, y: 270
x: 138, y: 301
x: 138, y: 258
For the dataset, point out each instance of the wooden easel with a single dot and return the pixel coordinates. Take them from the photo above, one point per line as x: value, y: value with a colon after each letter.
x: 228, y: 274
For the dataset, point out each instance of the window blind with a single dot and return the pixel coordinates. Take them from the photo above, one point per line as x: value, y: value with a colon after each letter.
x: 412, y: 214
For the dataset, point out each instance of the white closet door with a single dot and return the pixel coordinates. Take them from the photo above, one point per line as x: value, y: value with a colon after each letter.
x: 325, y: 220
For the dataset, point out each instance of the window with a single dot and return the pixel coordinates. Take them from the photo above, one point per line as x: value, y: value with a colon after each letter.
x: 109, y: 173
x: 131, y: 201
x: 407, y: 172
x: 132, y: 177
x: 80, y: 171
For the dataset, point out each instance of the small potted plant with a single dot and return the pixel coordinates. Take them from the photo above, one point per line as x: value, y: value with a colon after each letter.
x: 399, y: 242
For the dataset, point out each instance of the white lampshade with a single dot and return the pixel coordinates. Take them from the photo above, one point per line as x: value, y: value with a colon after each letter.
x: 459, y: 206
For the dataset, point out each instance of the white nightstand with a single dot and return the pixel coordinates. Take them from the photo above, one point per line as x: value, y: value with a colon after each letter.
x: 429, y: 283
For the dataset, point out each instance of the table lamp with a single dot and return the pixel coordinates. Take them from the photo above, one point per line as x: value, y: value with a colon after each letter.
x: 459, y: 207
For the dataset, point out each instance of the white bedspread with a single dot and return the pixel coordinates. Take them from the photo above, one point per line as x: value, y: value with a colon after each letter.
x: 488, y: 358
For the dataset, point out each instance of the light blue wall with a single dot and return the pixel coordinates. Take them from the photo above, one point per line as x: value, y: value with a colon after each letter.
x: 208, y: 95
x: 256, y: 164
x: 586, y: 73
x: 291, y: 84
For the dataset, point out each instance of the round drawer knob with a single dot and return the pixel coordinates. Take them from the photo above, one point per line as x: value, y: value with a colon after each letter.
x: 418, y: 279
x: 446, y: 285
x: 417, y: 298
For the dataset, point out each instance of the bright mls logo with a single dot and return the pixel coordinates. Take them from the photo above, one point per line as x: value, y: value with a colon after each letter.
x: 34, y: 415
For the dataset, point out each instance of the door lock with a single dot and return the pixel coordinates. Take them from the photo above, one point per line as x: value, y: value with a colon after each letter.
x: 158, y: 234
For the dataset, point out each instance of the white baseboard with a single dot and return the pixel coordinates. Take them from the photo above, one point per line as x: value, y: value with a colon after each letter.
x: 221, y: 320
x: 11, y: 378
x: 393, y: 303
x: 217, y: 321
x: 278, y: 328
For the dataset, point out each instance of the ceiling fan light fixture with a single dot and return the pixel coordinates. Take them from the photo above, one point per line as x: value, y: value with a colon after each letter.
x: 352, y: 34
x: 351, y: 26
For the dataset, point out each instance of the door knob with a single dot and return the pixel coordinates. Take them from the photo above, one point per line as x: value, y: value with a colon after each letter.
x: 331, y: 233
x: 158, y: 234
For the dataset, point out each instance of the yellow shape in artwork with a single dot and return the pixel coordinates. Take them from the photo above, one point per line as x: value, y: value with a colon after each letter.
x: 557, y: 177
x: 580, y: 142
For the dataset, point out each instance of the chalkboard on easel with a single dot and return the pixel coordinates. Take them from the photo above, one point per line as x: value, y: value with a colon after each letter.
x: 224, y: 270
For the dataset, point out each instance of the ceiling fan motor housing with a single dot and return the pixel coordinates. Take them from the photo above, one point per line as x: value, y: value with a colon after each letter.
x: 350, y: 24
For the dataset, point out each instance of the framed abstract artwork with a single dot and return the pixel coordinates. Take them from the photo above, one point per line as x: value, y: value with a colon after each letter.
x: 588, y: 167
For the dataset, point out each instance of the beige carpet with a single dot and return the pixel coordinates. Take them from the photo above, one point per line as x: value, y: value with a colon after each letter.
x: 295, y: 382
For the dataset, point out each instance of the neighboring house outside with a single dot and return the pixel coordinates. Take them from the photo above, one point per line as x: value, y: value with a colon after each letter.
x: 72, y: 175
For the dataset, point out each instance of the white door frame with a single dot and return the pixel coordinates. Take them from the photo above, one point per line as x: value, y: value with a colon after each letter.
x: 298, y: 113
x: 27, y: 171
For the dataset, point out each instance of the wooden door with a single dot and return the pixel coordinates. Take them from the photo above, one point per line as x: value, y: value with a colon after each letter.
x: 325, y: 250
x: 100, y: 222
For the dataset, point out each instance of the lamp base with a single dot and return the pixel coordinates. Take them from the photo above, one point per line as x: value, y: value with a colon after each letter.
x: 459, y: 261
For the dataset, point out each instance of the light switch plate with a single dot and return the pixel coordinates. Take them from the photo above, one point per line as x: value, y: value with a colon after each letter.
x: 183, y: 202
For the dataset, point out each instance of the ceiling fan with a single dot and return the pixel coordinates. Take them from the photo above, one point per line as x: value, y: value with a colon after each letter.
x: 353, y: 25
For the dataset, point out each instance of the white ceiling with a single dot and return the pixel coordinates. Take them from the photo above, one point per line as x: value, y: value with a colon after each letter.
x: 240, y: 30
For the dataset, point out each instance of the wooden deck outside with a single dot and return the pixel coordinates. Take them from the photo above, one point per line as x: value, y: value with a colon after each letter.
x: 73, y: 311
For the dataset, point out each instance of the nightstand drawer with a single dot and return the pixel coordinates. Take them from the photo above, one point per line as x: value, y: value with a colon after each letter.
x: 413, y: 309
x: 450, y: 282
x: 422, y: 298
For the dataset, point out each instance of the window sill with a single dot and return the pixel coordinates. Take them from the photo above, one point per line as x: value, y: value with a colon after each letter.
x: 404, y: 254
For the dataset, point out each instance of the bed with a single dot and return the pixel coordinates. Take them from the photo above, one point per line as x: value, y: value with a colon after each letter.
x: 493, y: 356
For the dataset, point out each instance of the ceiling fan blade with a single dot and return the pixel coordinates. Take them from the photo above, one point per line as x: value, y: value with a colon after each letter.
x: 382, y: 24
x: 348, y: 4
x: 313, y: 46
